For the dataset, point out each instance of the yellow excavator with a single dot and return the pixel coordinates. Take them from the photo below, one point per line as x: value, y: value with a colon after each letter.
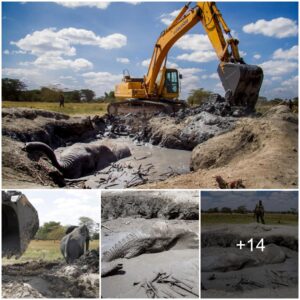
x: 159, y: 89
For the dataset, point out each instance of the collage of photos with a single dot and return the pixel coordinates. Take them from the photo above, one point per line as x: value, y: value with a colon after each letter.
x: 149, y: 149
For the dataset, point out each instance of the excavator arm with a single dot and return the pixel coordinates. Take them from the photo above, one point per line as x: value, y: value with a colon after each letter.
x: 159, y: 88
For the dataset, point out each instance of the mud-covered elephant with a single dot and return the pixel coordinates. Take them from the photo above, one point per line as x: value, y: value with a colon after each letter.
x: 75, y: 243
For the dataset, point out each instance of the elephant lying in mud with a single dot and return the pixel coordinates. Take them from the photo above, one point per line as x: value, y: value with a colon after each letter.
x: 80, y: 159
x: 75, y: 243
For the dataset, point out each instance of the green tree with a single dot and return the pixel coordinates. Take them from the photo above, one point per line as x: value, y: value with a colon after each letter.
x: 226, y: 210
x: 46, y: 229
x: 198, y: 96
x: 241, y: 210
x: 49, y: 95
x: 56, y: 233
x: 12, y: 89
x: 109, y: 97
x: 87, y: 95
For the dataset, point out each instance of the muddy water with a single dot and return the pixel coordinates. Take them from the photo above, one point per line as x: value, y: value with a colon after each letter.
x: 147, y: 163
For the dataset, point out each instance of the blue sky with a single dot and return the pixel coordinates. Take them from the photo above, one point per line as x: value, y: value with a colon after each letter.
x: 87, y: 45
x: 65, y: 206
x: 272, y: 200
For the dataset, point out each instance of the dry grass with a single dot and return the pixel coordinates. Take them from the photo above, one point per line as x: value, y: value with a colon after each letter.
x: 222, y: 218
x: 69, y: 109
x: 44, y: 250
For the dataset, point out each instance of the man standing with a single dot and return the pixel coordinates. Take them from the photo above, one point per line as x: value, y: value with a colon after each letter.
x: 61, y: 100
x: 259, y: 212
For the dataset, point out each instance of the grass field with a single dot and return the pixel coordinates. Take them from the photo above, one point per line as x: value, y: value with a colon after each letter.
x: 220, y: 218
x: 69, y: 109
x: 44, y: 250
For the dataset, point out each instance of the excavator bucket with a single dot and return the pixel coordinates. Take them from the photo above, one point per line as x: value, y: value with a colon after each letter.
x: 20, y: 223
x: 242, y: 83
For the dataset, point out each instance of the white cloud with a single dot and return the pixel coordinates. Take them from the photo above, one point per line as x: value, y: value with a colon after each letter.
x: 6, y: 52
x: 67, y: 78
x: 211, y: 76
x: 279, y: 28
x: 257, y: 56
x: 242, y: 53
x: 167, y: 18
x: 278, y: 67
x: 289, y: 54
x: 18, y: 72
x: 172, y: 65
x: 198, y: 56
x: 47, y: 40
x: 190, y: 79
x: 288, y: 88
x: 99, y: 4
x: 101, y: 82
x: 53, y: 62
x: 146, y: 62
x: 194, y: 42
x: 60, y: 42
x: 199, y: 44
x: 291, y: 82
x: 276, y: 78
x: 123, y: 60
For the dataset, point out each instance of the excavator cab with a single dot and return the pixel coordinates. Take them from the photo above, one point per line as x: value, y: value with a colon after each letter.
x: 20, y: 223
x: 172, y: 81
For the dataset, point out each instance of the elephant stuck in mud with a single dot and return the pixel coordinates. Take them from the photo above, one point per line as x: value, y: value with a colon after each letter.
x: 80, y: 159
x: 75, y: 243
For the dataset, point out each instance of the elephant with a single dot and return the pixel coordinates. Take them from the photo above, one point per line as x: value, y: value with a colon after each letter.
x: 75, y: 243
x: 80, y: 159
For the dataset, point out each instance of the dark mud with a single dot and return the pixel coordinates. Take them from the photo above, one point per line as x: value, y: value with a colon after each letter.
x: 229, y: 272
x: 55, y: 279
x: 150, y: 204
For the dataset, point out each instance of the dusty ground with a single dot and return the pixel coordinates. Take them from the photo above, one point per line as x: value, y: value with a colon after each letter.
x: 41, y: 279
x: 210, y: 140
x: 141, y: 275
x: 227, y: 272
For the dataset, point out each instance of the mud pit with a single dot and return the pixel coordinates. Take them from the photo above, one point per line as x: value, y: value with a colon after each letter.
x: 53, y: 279
x: 227, y: 272
x: 185, y: 150
x: 154, y: 257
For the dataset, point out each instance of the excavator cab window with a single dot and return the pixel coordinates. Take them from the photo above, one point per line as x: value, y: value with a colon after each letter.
x: 171, y: 82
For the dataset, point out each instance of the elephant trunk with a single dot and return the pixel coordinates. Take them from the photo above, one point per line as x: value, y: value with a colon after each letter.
x: 87, y: 244
x: 38, y: 146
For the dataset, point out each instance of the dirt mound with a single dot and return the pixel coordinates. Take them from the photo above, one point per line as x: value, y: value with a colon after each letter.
x: 54, y: 129
x: 147, y: 205
x: 263, y: 152
x: 39, y: 279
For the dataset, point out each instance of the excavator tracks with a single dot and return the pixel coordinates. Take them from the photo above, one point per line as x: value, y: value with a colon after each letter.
x: 145, y: 107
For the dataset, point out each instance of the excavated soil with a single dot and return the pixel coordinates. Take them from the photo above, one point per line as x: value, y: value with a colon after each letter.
x: 185, y: 150
x: 40, y: 279
x: 173, y: 273
x: 228, y: 272
x: 263, y: 152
